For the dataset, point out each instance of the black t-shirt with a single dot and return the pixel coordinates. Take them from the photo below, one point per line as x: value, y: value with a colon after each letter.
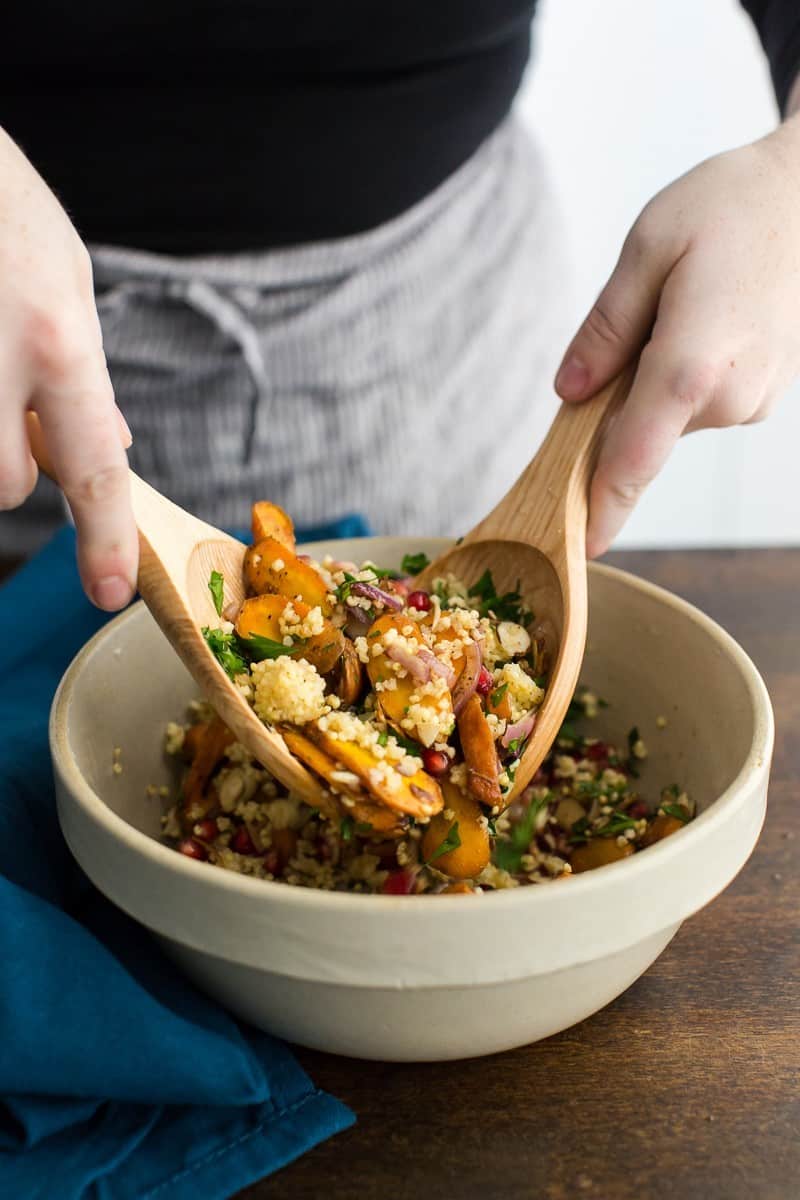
x: 220, y: 126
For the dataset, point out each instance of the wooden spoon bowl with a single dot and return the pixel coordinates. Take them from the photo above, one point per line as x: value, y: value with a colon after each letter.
x: 178, y: 552
x: 534, y: 541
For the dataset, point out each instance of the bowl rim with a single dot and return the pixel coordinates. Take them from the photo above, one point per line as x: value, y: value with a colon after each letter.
x: 756, y: 762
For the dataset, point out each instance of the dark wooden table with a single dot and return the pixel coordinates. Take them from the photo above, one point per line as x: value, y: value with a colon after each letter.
x: 686, y: 1087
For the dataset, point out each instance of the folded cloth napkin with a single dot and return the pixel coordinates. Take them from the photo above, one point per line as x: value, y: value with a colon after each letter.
x: 118, y: 1080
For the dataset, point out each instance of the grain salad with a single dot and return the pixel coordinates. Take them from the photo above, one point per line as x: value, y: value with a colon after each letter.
x: 412, y: 707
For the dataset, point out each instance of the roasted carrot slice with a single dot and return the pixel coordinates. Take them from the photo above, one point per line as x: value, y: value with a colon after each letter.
x: 480, y: 754
x: 662, y: 827
x: 261, y: 616
x: 192, y: 740
x: 396, y: 701
x: 358, y: 806
x: 415, y: 795
x: 598, y: 853
x: 197, y: 799
x: 270, y: 567
x: 469, y: 858
x: 270, y: 521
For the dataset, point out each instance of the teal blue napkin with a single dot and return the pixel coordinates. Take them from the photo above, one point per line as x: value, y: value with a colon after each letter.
x: 118, y: 1080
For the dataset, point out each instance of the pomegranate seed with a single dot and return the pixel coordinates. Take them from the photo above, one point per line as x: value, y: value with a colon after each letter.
x: 638, y: 810
x: 193, y: 849
x: 398, y: 883
x: 206, y: 830
x: 597, y: 752
x: 435, y: 762
x: 421, y: 601
x: 242, y: 843
x: 485, y: 682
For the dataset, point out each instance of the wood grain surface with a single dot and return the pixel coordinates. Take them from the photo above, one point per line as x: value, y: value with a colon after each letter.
x: 687, y: 1086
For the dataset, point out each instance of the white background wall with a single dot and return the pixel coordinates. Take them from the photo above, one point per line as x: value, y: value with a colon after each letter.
x: 625, y: 96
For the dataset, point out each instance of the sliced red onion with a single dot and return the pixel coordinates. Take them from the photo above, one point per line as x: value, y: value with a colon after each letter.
x: 520, y: 729
x: 412, y: 663
x: 468, y: 679
x: 370, y: 592
x: 437, y: 667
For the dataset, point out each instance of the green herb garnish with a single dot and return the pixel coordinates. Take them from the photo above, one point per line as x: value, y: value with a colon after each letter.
x: 441, y: 593
x: 508, y: 855
x: 383, y: 738
x: 225, y: 648
x: 516, y: 747
x: 492, y: 826
x: 215, y: 586
x: 508, y: 607
x: 617, y: 824
x: 677, y: 811
x: 451, y: 842
x: 410, y: 747
x: 347, y: 827
x: 344, y: 589
x: 498, y: 694
x: 234, y: 654
x: 259, y: 647
x: 412, y: 564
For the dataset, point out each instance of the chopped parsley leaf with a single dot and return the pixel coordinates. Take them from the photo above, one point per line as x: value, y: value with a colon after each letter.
x: 508, y: 607
x: 498, y: 694
x: 226, y: 650
x: 675, y: 810
x: 516, y: 747
x: 259, y: 647
x: 412, y: 564
x: 492, y: 826
x: 215, y: 586
x: 410, y: 747
x: 383, y: 738
x: 451, y: 842
x: 508, y: 855
x: 376, y: 575
x: 346, y: 827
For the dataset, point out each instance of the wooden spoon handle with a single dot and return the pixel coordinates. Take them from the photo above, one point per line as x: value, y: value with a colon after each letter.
x: 549, y: 501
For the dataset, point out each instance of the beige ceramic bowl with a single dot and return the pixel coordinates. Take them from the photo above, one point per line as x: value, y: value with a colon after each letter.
x: 438, y: 977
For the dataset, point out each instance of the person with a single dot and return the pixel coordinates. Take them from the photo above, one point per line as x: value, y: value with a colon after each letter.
x: 322, y: 268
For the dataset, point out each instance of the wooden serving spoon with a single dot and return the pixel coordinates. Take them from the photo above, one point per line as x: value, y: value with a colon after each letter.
x: 535, y: 539
x: 177, y: 553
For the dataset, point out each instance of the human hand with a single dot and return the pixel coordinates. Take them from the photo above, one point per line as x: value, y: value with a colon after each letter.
x: 52, y: 363
x: 708, y: 282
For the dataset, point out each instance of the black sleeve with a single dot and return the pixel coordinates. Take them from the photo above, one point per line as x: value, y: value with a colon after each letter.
x: 778, y: 25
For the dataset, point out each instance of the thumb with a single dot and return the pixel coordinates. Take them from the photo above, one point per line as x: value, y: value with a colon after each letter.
x: 620, y: 320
